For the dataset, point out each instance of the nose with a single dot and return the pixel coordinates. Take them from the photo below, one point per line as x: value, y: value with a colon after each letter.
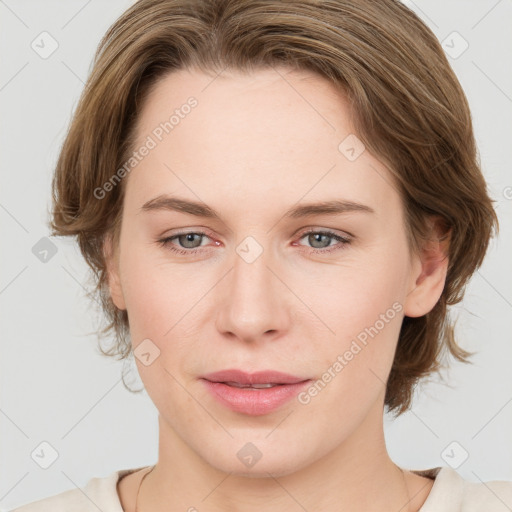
x: 254, y: 303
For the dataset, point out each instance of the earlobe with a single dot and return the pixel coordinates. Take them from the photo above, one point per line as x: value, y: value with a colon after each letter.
x: 112, y: 266
x: 429, y: 274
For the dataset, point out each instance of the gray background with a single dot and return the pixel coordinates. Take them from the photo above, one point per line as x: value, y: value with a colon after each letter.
x: 56, y: 387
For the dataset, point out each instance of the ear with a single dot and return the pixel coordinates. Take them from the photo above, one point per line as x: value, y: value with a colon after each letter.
x: 429, y: 270
x: 111, y: 255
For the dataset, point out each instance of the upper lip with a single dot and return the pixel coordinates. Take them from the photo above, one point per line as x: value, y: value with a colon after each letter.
x: 261, y: 377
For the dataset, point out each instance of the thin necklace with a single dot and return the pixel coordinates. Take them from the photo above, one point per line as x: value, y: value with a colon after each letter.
x: 140, y: 485
x: 153, y: 467
x: 406, y: 489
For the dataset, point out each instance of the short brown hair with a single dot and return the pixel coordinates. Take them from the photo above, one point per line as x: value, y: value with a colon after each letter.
x: 407, y: 105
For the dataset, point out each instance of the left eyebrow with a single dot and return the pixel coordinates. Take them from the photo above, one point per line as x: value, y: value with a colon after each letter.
x: 333, y: 207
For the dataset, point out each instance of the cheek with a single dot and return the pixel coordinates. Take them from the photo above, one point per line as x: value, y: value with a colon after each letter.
x: 355, y: 364
x: 352, y: 296
x: 361, y: 320
x: 153, y: 291
x: 166, y: 307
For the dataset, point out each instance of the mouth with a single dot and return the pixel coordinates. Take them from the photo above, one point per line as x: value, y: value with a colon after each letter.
x: 253, y: 394
x: 252, y: 386
x: 265, y: 378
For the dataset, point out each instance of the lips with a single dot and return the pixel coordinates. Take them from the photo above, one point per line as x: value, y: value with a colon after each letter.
x: 253, y: 394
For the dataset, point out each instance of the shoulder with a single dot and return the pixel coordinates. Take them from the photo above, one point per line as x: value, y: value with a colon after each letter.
x: 452, y: 492
x: 100, y: 493
x: 491, y: 496
x: 67, y: 500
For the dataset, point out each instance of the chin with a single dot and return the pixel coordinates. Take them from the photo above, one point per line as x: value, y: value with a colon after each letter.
x: 246, y: 460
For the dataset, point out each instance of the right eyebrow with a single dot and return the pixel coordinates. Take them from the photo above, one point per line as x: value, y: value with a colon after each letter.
x: 166, y: 202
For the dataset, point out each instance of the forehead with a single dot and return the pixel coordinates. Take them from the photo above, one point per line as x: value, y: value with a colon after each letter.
x: 295, y: 106
x: 275, y: 135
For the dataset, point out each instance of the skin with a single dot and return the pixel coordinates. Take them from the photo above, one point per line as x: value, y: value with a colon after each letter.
x: 255, y: 146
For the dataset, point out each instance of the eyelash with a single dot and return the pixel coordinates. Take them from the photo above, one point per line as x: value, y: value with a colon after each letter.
x: 166, y: 242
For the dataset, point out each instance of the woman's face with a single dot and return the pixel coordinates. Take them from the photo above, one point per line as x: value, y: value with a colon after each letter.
x: 250, y: 289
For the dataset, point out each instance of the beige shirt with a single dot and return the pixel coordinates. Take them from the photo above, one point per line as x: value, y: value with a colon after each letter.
x: 450, y: 493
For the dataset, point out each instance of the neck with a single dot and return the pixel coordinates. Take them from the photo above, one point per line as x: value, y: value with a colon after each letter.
x: 359, y: 470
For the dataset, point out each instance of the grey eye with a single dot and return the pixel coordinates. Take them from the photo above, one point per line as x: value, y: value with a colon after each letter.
x: 187, y: 240
x: 314, y: 238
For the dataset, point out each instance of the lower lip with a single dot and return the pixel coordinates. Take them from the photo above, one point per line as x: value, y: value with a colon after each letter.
x: 254, y: 402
